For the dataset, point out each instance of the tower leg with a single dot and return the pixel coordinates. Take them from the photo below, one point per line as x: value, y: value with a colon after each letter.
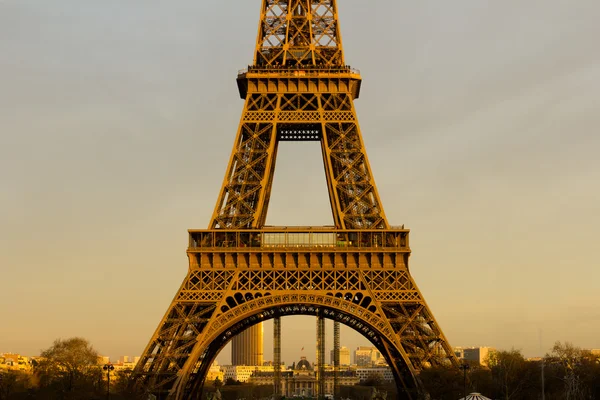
x: 277, y: 357
x: 336, y: 358
x: 320, y: 358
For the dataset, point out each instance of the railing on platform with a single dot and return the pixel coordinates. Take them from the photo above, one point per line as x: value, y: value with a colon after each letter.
x: 298, y: 71
x: 298, y: 237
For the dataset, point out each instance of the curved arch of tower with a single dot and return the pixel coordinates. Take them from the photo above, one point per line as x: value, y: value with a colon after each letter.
x: 241, y: 272
x: 340, y: 310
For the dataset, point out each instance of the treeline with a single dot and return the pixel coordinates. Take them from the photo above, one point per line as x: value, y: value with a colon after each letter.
x: 567, y: 373
x: 68, y: 370
x: 233, y: 390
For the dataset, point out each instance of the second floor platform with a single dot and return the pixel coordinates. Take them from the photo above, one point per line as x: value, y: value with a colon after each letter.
x: 299, y: 239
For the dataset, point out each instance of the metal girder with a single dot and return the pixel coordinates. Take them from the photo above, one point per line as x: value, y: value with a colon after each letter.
x: 320, y: 364
x: 277, y: 357
x: 336, y: 358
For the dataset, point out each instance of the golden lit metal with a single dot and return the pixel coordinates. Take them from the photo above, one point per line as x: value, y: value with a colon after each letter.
x: 242, y: 273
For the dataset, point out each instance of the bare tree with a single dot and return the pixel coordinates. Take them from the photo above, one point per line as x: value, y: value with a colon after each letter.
x: 442, y: 382
x: 571, y: 360
x: 508, y: 372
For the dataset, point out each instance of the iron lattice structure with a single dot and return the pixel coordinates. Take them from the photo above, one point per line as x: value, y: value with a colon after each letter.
x: 241, y: 272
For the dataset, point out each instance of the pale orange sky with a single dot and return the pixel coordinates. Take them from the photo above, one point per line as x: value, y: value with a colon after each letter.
x: 480, y: 119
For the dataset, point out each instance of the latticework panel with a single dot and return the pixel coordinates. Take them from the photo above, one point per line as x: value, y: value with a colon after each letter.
x: 353, y: 185
x: 420, y: 336
x: 298, y: 116
x: 298, y: 33
x: 248, y: 175
x: 299, y: 280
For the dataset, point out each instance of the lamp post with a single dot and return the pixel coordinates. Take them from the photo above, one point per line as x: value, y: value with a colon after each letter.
x: 108, y: 367
x: 464, y: 367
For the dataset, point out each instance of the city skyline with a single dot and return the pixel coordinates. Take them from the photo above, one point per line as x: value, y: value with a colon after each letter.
x: 481, y: 130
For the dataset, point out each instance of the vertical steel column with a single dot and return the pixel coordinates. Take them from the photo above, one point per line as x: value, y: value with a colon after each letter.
x: 320, y: 358
x: 336, y: 358
x: 277, y: 357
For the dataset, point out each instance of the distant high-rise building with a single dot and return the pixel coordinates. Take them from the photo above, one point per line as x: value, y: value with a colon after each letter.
x: 344, y: 356
x: 475, y: 354
x: 366, y: 356
x: 247, y: 347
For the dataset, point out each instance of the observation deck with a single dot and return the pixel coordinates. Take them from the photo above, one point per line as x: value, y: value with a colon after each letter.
x: 298, y: 239
x: 269, y: 75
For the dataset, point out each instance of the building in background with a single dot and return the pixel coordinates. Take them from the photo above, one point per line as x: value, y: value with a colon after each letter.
x: 124, y: 364
x: 366, y: 356
x: 477, y: 355
x: 215, y: 372
x: 243, y: 372
x: 459, y: 352
x: 385, y: 373
x: 247, y: 347
x: 300, y: 381
x: 15, y: 362
x: 344, y: 356
x: 593, y: 352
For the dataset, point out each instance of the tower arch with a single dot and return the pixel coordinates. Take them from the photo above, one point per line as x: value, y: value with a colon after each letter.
x: 372, y: 326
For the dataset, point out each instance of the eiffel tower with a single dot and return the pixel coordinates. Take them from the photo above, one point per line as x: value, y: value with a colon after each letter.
x: 242, y: 272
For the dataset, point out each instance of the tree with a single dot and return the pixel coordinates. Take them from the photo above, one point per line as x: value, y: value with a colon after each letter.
x: 122, y: 388
x: 513, y: 377
x: 480, y: 379
x: 573, y: 367
x: 217, y: 383
x: 442, y: 382
x: 13, y: 383
x: 70, y: 369
x: 374, y: 379
x: 232, y: 382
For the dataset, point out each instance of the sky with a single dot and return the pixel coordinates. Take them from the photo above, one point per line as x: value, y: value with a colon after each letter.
x: 480, y: 119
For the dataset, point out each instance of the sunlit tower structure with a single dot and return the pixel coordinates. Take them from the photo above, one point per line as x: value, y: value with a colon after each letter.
x: 241, y: 272
x: 247, y: 347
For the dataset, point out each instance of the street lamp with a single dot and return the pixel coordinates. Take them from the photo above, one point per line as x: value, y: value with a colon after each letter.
x: 464, y: 367
x: 108, y: 367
